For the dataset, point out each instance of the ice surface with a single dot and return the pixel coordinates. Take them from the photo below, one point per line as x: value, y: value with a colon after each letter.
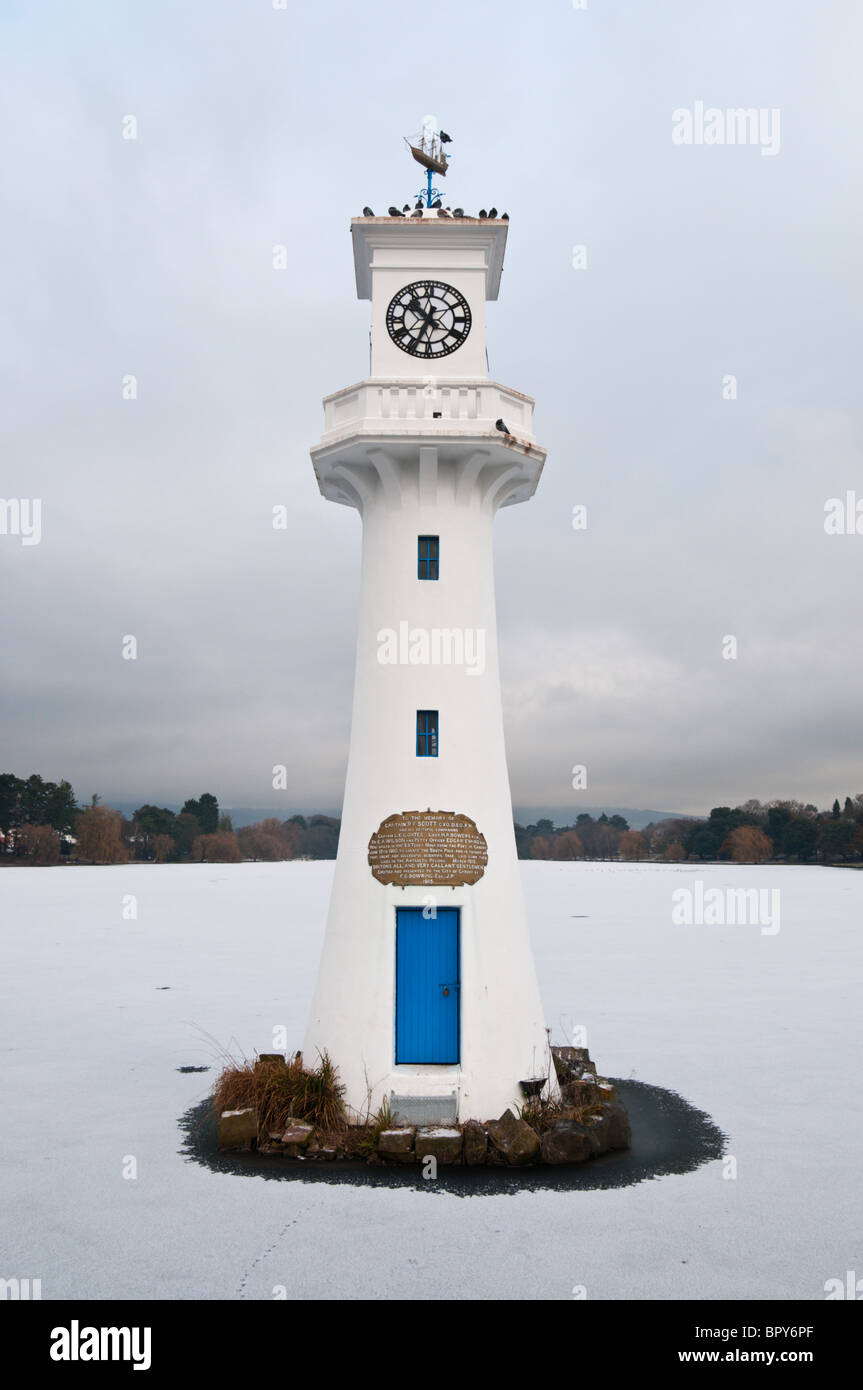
x: 760, y: 1031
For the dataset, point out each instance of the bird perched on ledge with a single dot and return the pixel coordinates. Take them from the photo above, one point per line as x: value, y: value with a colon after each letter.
x: 394, y: 212
x: 499, y: 425
x: 367, y: 212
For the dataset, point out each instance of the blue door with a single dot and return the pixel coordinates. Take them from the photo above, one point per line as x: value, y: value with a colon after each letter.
x: 427, y: 985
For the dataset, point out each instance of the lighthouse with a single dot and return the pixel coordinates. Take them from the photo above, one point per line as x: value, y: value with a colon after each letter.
x: 427, y: 996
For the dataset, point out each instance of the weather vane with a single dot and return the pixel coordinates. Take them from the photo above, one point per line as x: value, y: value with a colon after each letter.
x: 428, y: 150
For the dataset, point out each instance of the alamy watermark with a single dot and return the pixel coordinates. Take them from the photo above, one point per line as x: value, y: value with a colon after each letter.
x: 848, y: 1288
x: 15, y: 1290
x: 721, y: 907
x: 735, y: 125
x: 843, y: 516
x: 21, y: 516
x: 77, y: 1343
x: 435, y: 646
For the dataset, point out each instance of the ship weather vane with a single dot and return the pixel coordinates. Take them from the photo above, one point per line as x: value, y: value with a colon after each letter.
x: 428, y: 150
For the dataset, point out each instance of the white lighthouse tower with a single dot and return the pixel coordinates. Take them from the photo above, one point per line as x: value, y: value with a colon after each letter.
x: 427, y: 993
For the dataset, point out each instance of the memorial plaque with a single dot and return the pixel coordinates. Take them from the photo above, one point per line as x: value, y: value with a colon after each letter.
x: 428, y: 848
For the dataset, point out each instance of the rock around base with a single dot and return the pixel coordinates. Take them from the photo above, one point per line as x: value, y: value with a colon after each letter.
x: 587, y: 1121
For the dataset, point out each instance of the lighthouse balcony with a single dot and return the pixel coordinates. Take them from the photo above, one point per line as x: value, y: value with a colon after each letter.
x: 445, y: 408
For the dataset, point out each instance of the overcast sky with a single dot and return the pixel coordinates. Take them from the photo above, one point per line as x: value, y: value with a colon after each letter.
x: 153, y: 257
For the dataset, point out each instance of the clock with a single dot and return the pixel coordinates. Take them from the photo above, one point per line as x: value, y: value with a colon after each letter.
x: 428, y: 319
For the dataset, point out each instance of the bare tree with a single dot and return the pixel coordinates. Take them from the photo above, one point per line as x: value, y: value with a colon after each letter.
x: 748, y: 845
x: 674, y: 852
x: 41, y: 844
x: 99, y: 835
x: 633, y: 845
x: 567, y: 846
x: 219, y: 848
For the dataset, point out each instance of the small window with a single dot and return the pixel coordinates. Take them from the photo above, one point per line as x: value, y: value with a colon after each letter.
x: 426, y: 733
x: 429, y: 549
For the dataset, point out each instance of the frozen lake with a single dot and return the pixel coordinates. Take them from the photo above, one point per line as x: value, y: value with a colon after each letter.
x: 760, y: 1028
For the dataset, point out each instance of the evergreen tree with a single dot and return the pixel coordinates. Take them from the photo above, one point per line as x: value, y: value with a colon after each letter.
x: 150, y: 823
x: 799, y: 838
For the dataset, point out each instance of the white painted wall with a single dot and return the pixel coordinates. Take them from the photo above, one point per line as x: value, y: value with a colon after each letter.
x: 404, y: 488
x: 391, y: 253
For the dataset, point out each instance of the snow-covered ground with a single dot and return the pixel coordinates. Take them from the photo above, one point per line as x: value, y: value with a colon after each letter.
x: 99, y: 1010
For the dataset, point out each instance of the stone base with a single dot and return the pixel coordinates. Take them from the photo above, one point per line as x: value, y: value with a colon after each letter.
x: 586, y: 1122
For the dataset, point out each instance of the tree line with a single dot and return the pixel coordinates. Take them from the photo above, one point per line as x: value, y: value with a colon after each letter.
x: 42, y: 823
x: 754, y: 833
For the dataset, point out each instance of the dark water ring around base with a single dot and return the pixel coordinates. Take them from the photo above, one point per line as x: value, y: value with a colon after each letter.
x: 668, y: 1136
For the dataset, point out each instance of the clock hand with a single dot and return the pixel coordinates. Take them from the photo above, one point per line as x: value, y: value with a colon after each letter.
x: 430, y: 316
x: 434, y: 315
x: 416, y: 308
x: 430, y: 322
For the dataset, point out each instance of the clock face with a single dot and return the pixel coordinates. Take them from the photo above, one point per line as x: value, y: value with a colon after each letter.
x: 428, y: 319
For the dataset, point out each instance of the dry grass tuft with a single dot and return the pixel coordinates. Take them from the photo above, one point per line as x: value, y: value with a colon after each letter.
x: 282, y: 1093
x: 372, y: 1131
x: 542, y: 1115
x: 539, y: 1114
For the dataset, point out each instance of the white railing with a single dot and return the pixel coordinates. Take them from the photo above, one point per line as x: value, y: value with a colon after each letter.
x: 391, y: 405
